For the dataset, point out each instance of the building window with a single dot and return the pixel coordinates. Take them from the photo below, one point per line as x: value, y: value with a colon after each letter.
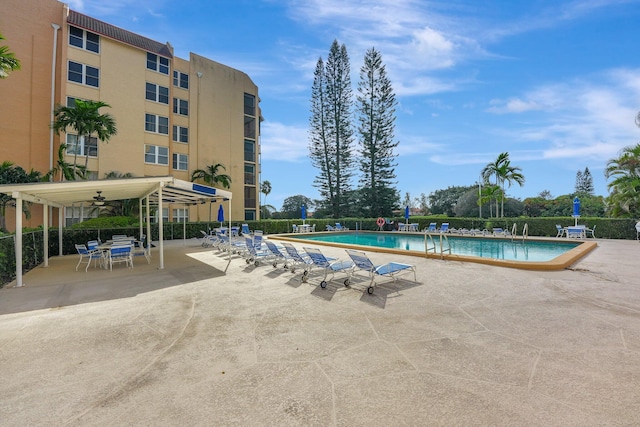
x: 180, y: 162
x: 249, y: 151
x: 249, y: 174
x: 165, y: 215
x: 158, y: 63
x: 180, y: 106
x: 156, y: 124
x: 249, y: 215
x: 249, y: 105
x: 181, y: 215
x: 249, y: 127
x: 180, y: 134
x: 89, y: 147
x: 157, y: 93
x: 156, y: 155
x: 83, y: 74
x: 250, y: 197
x: 72, y: 215
x: 84, y: 39
x: 181, y: 79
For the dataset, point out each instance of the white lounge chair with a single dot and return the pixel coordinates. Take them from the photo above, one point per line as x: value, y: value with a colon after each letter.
x: 391, y: 269
x: 561, y: 231
x: 329, y: 265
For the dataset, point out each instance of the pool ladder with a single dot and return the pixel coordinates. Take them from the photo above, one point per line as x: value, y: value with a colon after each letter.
x: 430, y: 244
x: 525, y: 232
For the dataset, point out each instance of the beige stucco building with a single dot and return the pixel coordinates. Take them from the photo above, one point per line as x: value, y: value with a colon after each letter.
x: 173, y: 115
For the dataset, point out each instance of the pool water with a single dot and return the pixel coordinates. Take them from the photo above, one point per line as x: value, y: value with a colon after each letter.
x: 494, y: 248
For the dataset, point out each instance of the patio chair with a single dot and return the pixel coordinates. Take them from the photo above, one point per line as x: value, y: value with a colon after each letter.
x: 444, y: 228
x: 254, y: 256
x: 329, y: 265
x: 120, y: 253
x: 279, y: 255
x: 297, y: 259
x: 330, y: 228
x: 431, y: 229
x: 590, y: 232
x: 561, y: 231
x: 294, y: 227
x: 87, y: 256
x: 391, y: 269
x: 244, y: 229
x: 92, y: 245
x: 576, y: 232
x: 141, y: 250
x: 339, y: 227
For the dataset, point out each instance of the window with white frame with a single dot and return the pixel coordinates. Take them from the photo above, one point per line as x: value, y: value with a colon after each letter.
x: 158, y: 63
x: 156, y: 155
x: 72, y: 215
x: 157, y: 93
x: 181, y: 215
x: 180, y: 134
x: 165, y: 215
x: 181, y: 106
x: 180, y: 162
x: 88, y: 147
x: 156, y: 124
x: 83, y: 74
x: 180, y: 79
x: 84, y: 39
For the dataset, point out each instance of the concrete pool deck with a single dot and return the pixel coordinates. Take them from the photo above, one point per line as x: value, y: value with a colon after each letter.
x: 467, y: 344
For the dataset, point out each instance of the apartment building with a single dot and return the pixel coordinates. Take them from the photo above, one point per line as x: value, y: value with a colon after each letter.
x: 173, y: 115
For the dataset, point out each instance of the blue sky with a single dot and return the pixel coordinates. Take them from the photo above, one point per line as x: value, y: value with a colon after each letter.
x: 554, y: 83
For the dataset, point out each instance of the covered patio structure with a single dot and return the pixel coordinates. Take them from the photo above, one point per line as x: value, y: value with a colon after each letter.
x: 155, y: 191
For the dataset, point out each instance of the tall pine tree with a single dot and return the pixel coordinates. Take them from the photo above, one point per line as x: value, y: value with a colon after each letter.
x: 376, y: 104
x: 584, y: 182
x: 331, y: 131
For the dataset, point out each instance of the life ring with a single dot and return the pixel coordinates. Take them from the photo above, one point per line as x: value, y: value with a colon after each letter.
x: 380, y: 222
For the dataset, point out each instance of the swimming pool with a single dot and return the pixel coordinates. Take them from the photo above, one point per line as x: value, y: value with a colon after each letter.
x: 530, y: 254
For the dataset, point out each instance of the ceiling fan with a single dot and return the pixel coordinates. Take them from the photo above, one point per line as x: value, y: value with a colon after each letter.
x: 99, y: 199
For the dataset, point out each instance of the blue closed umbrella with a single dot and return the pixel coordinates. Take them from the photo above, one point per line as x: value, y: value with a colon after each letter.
x: 221, y: 214
x: 576, y: 209
x: 303, y: 213
x: 406, y: 213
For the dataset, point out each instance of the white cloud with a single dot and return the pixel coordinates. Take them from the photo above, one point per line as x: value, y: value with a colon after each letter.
x: 283, y: 142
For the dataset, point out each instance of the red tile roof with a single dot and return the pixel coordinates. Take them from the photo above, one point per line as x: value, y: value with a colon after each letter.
x: 111, y: 31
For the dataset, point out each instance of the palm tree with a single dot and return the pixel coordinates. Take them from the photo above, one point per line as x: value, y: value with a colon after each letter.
x: 126, y: 207
x: 624, y: 197
x: 503, y: 172
x: 85, y: 119
x: 65, y: 169
x: 211, y: 176
x: 265, y: 188
x: 8, y: 61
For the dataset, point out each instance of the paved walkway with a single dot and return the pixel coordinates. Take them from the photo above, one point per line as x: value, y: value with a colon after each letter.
x: 468, y: 344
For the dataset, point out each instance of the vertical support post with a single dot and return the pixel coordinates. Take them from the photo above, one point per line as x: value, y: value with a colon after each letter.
x: 160, y: 228
x: 45, y: 234
x: 60, y: 222
x: 19, y: 242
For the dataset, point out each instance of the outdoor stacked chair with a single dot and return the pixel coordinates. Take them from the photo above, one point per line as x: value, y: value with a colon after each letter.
x: 87, y: 256
x: 444, y: 228
x: 329, y: 265
x: 391, y: 269
x: 120, y: 253
x: 339, y: 227
x: 297, y: 259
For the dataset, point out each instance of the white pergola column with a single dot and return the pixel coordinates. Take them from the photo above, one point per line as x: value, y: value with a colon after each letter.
x: 19, y: 242
x: 45, y: 234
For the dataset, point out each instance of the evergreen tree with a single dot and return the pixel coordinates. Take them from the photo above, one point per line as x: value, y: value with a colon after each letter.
x: 376, y: 108
x: 584, y: 182
x: 331, y: 132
